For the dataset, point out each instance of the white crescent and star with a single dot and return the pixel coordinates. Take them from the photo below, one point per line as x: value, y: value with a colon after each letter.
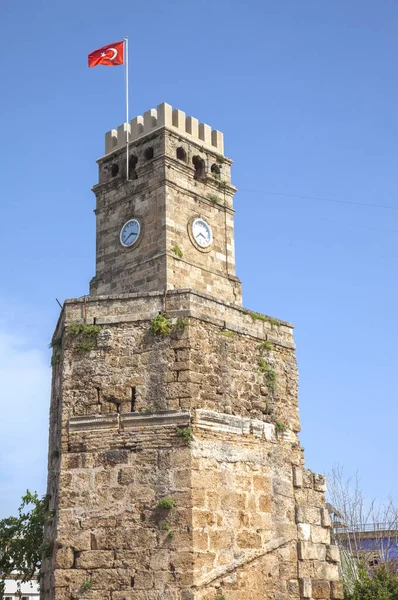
x: 105, y: 55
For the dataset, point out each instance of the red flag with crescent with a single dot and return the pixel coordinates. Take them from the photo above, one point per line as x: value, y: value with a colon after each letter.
x: 109, y: 56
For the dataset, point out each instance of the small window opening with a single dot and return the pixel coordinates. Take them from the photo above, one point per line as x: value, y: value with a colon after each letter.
x: 181, y: 154
x: 133, y: 398
x: 133, y: 160
x: 200, y: 170
x: 114, y: 169
x: 148, y: 154
x: 215, y: 169
x: 132, y: 582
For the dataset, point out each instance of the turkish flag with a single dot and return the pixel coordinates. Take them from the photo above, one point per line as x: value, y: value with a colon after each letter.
x: 110, y: 55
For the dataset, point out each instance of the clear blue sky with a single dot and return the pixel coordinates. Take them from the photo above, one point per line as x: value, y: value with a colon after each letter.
x: 306, y: 95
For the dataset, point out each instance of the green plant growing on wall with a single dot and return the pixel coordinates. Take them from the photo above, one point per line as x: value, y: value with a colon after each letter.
x: 166, y: 503
x: 271, y: 379
x: 266, y: 410
x: 218, y: 597
x: 85, y: 346
x: 228, y: 334
x: 177, y: 251
x: 181, y: 323
x: 214, y: 199
x: 56, y: 355
x: 161, y: 326
x: 263, y: 365
x: 84, y: 336
x: 266, y: 345
x: 167, y: 527
x: 280, y: 427
x: 185, y: 433
x: 258, y: 317
x: 87, y: 585
x: 56, y: 345
x: 269, y: 373
x: 220, y: 159
x: 85, y: 329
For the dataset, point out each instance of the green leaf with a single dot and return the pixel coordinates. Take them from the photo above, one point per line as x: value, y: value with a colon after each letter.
x: 22, y: 543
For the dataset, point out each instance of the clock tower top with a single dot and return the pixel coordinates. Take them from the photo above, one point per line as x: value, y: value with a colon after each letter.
x: 170, y: 225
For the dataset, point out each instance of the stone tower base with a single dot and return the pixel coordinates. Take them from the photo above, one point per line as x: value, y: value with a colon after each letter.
x: 175, y: 467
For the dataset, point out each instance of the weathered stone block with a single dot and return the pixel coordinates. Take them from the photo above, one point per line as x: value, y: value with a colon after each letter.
x: 305, y: 588
x: 310, y: 551
x: 95, y: 559
x: 265, y: 503
x: 304, y: 531
x: 324, y: 570
x: 325, y: 518
x: 248, y: 540
x: 64, y: 558
x: 312, y: 515
x: 332, y: 554
x: 319, y: 482
x: 297, y: 477
x: 320, y: 535
x: 320, y: 589
x: 336, y: 590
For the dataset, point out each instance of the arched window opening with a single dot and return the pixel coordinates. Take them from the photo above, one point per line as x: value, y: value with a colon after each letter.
x: 148, y: 154
x: 181, y: 154
x: 114, y: 169
x: 215, y: 169
x: 200, y: 169
x: 133, y: 160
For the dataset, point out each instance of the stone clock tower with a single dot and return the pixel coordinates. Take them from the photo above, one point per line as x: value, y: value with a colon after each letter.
x: 175, y: 470
x: 178, y: 197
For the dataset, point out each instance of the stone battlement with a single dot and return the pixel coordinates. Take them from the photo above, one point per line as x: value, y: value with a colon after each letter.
x: 165, y: 116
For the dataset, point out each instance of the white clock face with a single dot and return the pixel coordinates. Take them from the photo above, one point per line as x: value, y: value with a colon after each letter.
x: 130, y: 232
x: 202, y: 233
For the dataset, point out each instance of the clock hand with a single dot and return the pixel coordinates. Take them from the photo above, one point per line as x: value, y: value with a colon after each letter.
x: 130, y: 234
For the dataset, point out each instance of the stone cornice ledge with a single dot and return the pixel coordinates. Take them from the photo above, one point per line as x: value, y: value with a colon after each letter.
x: 160, y: 418
x: 94, y: 422
x: 139, y: 420
x: 203, y: 419
x: 221, y: 422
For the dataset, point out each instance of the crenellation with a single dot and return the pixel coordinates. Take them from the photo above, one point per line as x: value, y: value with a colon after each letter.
x: 173, y: 119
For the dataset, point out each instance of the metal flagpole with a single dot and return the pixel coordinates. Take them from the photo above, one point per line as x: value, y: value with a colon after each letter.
x: 126, y: 62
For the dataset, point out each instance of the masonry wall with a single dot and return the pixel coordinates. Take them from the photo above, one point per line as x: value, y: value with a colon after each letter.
x: 246, y: 520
